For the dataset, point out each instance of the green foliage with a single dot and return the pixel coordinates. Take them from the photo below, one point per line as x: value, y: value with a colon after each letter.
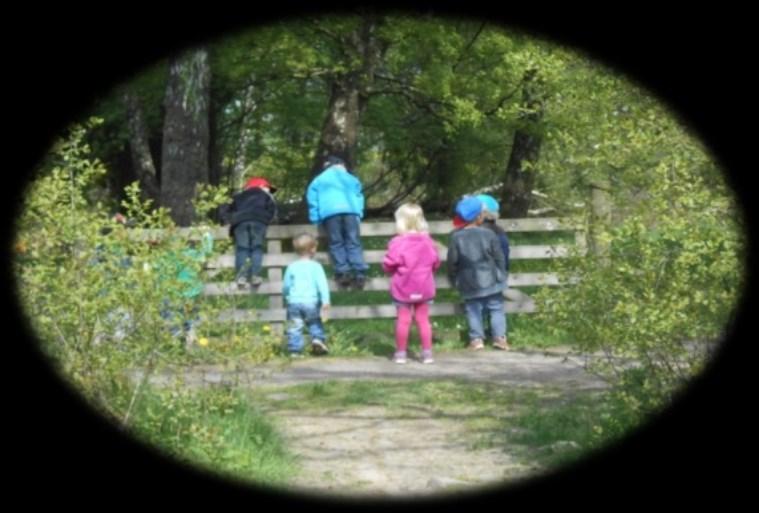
x: 95, y: 290
x: 215, y: 428
x: 665, y: 292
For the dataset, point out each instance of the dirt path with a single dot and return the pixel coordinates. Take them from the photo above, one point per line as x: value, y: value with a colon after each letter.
x: 368, y: 449
x: 512, y: 368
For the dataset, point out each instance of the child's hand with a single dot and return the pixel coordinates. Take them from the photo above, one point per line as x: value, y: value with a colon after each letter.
x: 325, y: 313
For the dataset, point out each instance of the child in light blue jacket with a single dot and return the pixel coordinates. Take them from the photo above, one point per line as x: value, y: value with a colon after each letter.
x: 307, y: 294
x: 335, y: 199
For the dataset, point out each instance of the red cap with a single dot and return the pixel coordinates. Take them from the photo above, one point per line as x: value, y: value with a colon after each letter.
x: 259, y: 182
x: 458, y: 222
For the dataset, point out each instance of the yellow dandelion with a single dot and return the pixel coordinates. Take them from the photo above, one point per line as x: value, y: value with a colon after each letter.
x: 266, y: 328
x: 203, y: 341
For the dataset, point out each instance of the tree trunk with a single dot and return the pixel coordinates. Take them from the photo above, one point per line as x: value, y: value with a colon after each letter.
x: 516, y: 194
x: 185, y: 160
x: 349, y: 92
x: 246, y: 138
x: 142, y: 159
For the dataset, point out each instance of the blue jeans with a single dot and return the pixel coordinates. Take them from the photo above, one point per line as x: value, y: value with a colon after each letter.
x: 249, y: 244
x: 345, y: 244
x: 299, y: 315
x: 475, y: 308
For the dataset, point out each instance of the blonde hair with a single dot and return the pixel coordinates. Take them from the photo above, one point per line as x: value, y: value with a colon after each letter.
x: 409, y: 217
x: 304, y: 244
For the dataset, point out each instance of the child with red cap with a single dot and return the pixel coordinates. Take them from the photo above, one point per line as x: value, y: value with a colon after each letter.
x: 249, y: 215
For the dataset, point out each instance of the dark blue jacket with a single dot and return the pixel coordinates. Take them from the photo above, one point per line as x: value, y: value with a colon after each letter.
x: 253, y: 204
x: 502, y: 238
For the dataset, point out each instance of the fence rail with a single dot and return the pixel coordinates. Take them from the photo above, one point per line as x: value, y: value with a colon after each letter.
x: 275, y: 260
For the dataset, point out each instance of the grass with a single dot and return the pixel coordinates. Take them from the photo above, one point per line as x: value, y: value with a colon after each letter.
x: 214, y: 429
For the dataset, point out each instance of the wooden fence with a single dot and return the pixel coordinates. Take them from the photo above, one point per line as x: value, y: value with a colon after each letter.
x: 275, y: 260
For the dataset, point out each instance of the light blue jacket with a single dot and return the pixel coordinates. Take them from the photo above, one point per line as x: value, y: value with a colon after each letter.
x: 305, y: 283
x: 334, y: 191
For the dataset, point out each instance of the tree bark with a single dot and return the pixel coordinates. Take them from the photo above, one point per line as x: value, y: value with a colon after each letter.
x: 142, y: 159
x: 246, y: 138
x: 185, y: 160
x: 519, y: 180
x: 348, y: 96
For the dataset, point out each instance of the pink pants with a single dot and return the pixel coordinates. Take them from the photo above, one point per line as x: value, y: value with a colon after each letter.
x: 420, y: 312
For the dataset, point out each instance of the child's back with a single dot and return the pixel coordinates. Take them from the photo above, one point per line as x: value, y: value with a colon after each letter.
x: 305, y: 282
x: 412, y: 259
x: 476, y: 264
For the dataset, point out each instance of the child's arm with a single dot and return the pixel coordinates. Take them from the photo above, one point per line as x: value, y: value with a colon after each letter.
x: 359, y: 197
x: 391, y: 261
x: 286, y: 282
x: 452, y: 260
x: 271, y: 209
x: 436, y: 257
x: 505, y: 247
x: 322, y: 286
x: 495, y: 249
x: 312, y: 198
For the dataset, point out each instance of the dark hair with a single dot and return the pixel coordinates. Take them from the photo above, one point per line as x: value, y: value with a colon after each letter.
x: 333, y: 160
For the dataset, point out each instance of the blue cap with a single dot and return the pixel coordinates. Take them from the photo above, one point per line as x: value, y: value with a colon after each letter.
x: 489, y: 203
x: 469, y: 208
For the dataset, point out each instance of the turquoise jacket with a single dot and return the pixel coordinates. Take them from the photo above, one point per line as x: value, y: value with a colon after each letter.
x: 305, y: 283
x: 185, y: 265
x: 334, y: 191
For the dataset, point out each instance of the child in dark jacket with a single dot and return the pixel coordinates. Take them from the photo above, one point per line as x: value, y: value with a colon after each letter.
x: 249, y: 215
x: 477, y: 268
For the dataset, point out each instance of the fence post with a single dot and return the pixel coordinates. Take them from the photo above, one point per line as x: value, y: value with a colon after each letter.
x: 274, y: 274
x: 600, y: 219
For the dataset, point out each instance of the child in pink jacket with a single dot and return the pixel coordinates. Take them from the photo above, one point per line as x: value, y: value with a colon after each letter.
x: 412, y: 259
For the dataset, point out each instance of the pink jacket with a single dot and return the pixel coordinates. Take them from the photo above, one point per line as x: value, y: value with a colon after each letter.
x: 412, y: 259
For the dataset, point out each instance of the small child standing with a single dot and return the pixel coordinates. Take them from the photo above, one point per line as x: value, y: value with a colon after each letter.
x: 307, y: 294
x: 412, y: 260
x: 491, y: 209
x: 477, y: 268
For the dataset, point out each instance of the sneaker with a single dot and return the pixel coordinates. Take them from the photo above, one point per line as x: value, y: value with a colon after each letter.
x: 501, y: 343
x: 242, y: 283
x: 295, y: 355
x: 256, y: 281
x: 427, y: 356
x: 476, y: 344
x: 399, y: 357
x: 319, y: 347
x: 359, y: 281
x: 343, y: 280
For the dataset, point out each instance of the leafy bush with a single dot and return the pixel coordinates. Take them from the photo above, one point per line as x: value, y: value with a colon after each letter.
x: 664, y: 293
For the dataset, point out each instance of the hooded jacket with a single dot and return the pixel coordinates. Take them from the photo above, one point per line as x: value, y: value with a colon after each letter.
x: 334, y: 191
x: 412, y: 259
x: 254, y: 204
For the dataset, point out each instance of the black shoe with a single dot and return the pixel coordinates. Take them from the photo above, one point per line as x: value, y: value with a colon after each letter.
x: 359, y: 281
x: 343, y: 280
